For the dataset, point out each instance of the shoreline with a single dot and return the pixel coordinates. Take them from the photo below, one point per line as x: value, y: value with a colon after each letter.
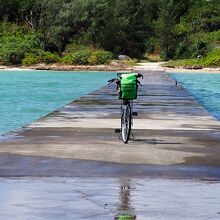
x: 188, y: 70
x: 60, y: 67
x: 111, y: 68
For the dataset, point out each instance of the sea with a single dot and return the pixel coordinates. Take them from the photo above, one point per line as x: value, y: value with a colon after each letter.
x: 26, y: 96
x: 204, y: 87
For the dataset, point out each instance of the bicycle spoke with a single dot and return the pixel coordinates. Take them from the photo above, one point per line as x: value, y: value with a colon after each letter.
x: 126, y: 122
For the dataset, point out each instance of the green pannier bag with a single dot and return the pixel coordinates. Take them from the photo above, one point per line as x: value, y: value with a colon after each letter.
x: 128, y: 87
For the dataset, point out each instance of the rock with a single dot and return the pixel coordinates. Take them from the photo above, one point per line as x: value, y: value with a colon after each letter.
x: 114, y: 63
x: 193, y: 67
x: 122, y: 57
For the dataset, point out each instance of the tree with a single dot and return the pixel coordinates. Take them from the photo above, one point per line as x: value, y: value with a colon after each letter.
x: 118, y: 26
x: 132, y: 27
x: 165, y: 28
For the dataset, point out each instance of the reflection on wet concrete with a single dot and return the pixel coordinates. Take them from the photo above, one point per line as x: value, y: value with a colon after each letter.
x: 108, y: 198
x: 125, y: 209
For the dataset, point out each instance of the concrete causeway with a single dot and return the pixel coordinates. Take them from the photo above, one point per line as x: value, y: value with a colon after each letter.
x: 174, y: 137
x: 71, y: 165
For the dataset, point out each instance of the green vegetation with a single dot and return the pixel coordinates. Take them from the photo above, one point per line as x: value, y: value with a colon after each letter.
x: 85, y: 57
x: 211, y: 60
x: 80, y: 57
x: 93, y: 32
x: 14, y: 43
x: 184, y: 63
x: 30, y: 59
x: 100, y: 57
x: 40, y: 56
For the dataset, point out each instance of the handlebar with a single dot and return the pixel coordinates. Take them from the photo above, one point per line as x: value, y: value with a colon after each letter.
x: 119, y: 78
x: 111, y: 80
x: 138, y: 75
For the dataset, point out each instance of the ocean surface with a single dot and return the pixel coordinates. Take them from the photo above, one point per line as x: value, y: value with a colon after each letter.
x: 26, y: 96
x: 205, y: 88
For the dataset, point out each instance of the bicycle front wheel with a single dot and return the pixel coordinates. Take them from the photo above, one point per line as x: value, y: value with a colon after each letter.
x: 126, y: 122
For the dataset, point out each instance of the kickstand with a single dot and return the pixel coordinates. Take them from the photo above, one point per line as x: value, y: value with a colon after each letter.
x: 118, y: 130
x: 133, y: 137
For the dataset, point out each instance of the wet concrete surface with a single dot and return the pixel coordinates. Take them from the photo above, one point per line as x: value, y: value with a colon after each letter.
x: 71, y: 165
x: 22, y: 166
x: 108, y: 198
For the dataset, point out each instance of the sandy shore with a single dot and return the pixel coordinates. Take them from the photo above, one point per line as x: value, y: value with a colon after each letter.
x: 61, y: 67
x: 115, y: 67
x: 184, y: 70
x: 159, y: 67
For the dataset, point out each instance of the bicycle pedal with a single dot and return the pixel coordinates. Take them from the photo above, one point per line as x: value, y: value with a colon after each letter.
x: 135, y: 114
x: 118, y: 130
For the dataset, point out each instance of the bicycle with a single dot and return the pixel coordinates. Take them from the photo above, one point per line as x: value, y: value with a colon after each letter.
x: 127, y: 84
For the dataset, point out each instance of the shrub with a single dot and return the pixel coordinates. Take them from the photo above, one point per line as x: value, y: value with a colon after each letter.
x: 213, y: 58
x: 40, y: 56
x: 198, y: 44
x: 10, y: 55
x: 74, y: 46
x: 48, y: 57
x: 153, y: 57
x: 67, y: 59
x: 184, y: 63
x: 213, y: 37
x: 13, y: 52
x: 100, y: 57
x: 198, y: 48
x: 81, y: 57
x: 30, y: 59
x: 14, y: 45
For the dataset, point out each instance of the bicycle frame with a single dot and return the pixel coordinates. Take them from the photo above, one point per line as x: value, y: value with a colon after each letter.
x: 131, y: 103
x: 126, y: 112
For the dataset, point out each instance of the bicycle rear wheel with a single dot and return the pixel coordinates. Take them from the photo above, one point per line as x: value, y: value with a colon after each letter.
x: 125, y: 122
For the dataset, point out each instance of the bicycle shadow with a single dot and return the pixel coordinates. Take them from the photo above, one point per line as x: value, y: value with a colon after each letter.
x: 153, y: 141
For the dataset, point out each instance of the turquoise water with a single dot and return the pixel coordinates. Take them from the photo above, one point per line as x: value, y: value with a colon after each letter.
x: 25, y: 96
x: 205, y: 87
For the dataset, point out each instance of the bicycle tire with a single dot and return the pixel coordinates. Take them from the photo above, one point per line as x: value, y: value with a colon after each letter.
x: 126, y: 122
